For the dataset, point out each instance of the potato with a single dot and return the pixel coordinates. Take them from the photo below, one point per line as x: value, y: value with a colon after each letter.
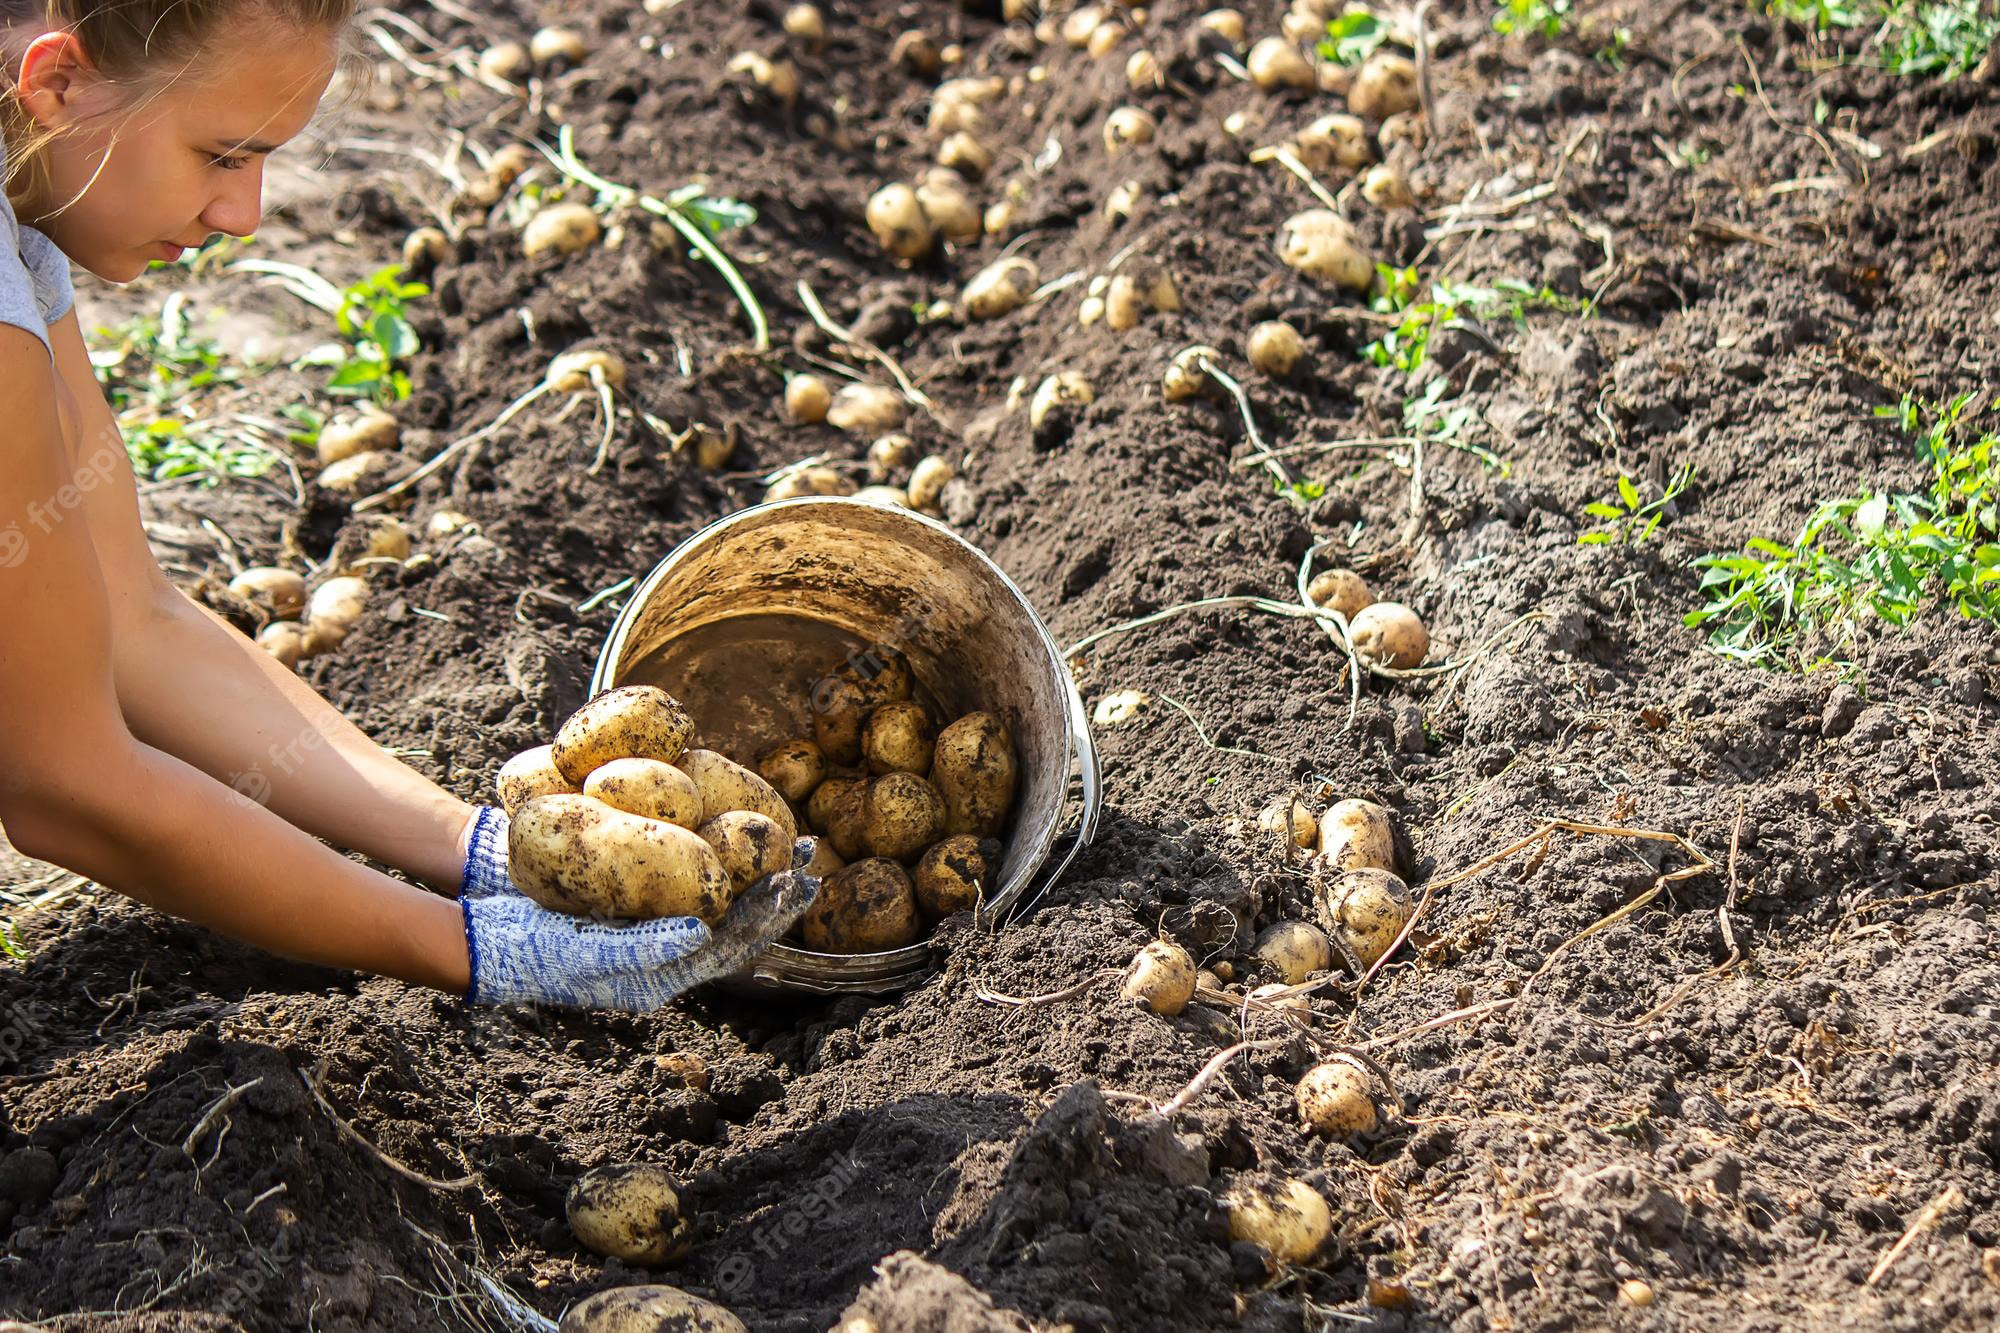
x: 898, y: 738
x: 1389, y: 634
x: 1224, y: 23
x: 1292, y: 818
x: 529, y: 774
x: 1340, y: 590
x: 1124, y: 304
x: 1104, y: 39
x: 287, y: 641
x: 1323, y: 244
x: 1275, y: 348
x: 749, y: 845
x: 898, y: 221
x: 889, y: 497
x: 446, y: 523
x: 816, y: 857
x: 1338, y: 140
x: 1161, y: 977
x: 866, y: 907
x: 571, y: 371
x: 840, y: 712
x: 650, y: 1309
x: 1637, y: 1293
x: 630, y: 1212
x: 1406, y: 128
x: 1143, y: 73
x: 808, y: 481
x: 682, y: 1069
x: 868, y: 408
x: 506, y: 62
x: 1078, y: 26
x: 1277, y: 995
x: 953, y: 875
x: 629, y: 722
x: 965, y: 154
x: 338, y: 603
x: 957, y: 104
x: 880, y: 672
x: 1287, y: 1218
x: 370, y: 429
x: 1185, y: 378
x: 1275, y: 65
x: 1385, y: 188
x: 1128, y: 126
x: 836, y: 811
x: 649, y: 787
x: 949, y: 208
x: 901, y: 814
x: 793, y: 768
x: 1354, y: 833
x: 550, y: 45
x: 1059, y: 391
x: 1293, y: 951
x: 576, y: 854
x: 1120, y: 203
x: 1334, y: 1098
x: 726, y: 785
x: 560, y: 229
x: 805, y: 23
x: 1384, y: 86
x: 279, y: 592
x: 974, y: 770
x: 917, y: 52
x: 363, y: 473
x: 890, y: 455
x: 807, y: 399
x: 1367, y: 908
x: 1000, y: 287
x: 927, y: 482
x: 367, y: 543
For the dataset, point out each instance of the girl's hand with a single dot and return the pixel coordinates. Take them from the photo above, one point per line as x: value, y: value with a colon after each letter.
x: 522, y: 953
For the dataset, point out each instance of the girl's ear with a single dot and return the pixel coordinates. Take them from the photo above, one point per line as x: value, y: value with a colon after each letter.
x: 56, y: 76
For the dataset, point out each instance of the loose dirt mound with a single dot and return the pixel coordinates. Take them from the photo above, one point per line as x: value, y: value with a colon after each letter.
x: 192, y: 1122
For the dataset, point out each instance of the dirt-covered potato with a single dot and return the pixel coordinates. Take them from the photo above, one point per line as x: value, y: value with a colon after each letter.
x: 793, y: 768
x: 1128, y: 126
x: 630, y: 1212
x: 866, y: 907
x: 777, y: 79
x: 999, y: 287
x: 1390, y: 634
x: 1292, y: 818
x: 1384, y: 86
x: 529, y: 774
x: 836, y: 811
x: 975, y: 771
x: 749, y: 845
x: 867, y: 409
x: 890, y: 455
x: 646, y: 787
x: 1143, y: 73
x: 561, y: 229
x: 550, y: 45
x: 1275, y: 65
x: 287, y: 641
x: 1161, y: 977
x: 1355, y: 833
x: 1338, y: 140
x: 367, y: 431
x: 965, y: 154
x: 506, y: 62
x: 630, y: 722
x: 368, y: 543
x: 1277, y: 995
x: 363, y: 473
x: 1275, y: 348
x: 1321, y: 243
x: 650, y: 1309
x: 898, y: 738
x: 808, y: 481
x: 1334, y: 1098
x: 881, y: 673
x: 1185, y: 378
x: 1385, y: 188
x: 1224, y: 23
x: 279, y: 592
x: 1287, y: 1218
x: 928, y: 480
x: 1067, y: 390
x: 917, y: 51
x: 840, y: 712
x: 1293, y: 951
x: 581, y: 367
x: 954, y: 874
x: 576, y: 854
x: 807, y: 399
x: 333, y: 609
x: 898, y: 221
x: 948, y: 205
x: 1340, y: 590
x: 816, y: 857
x: 889, y: 497
x: 726, y: 785
x: 1367, y: 908
x: 901, y: 815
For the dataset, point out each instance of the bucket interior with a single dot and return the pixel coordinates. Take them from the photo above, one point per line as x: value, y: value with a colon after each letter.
x: 743, y: 619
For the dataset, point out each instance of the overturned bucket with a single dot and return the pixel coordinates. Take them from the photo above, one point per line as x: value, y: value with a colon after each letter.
x: 744, y: 618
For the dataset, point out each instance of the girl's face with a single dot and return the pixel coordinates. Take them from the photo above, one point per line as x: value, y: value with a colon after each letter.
x: 151, y: 181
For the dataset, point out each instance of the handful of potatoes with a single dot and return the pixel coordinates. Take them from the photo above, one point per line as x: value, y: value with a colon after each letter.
x: 905, y: 813
x: 620, y: 817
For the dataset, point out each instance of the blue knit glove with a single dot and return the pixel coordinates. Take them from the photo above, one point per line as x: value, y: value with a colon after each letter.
x: 522, y: 953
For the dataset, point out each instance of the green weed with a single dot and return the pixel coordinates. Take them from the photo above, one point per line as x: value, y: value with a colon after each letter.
x: 1628, y: 518
x: 372, y: 318
x: 1353, y: 37
x: 154, y: 369
x: 1942, y: 38
x: 1548, y: 17
x: 1406, y: 345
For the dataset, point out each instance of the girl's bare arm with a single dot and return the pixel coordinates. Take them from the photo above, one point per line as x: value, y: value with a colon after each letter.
x: 79, y: 788
x: 188, y: 683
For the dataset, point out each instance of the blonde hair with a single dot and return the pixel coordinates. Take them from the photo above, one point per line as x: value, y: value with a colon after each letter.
x: 142, y: 45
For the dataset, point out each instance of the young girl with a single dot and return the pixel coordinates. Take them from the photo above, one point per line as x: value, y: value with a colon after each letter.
x: 133, y: 130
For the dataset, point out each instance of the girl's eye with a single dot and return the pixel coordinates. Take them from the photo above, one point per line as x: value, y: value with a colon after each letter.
x: 235, y: 163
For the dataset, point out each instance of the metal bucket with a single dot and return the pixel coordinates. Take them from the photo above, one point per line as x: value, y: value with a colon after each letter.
x: 742, y: 620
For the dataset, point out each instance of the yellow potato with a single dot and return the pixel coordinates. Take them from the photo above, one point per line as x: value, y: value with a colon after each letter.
x: 867, y: 907
x: 1290, y: 818
x: 900, y: 816
x: 647, y: 787
x: 1390, y: 634
x: 529, y: 774
x: 1368, y: 908
x: 649, y: 1309
x: 1288, y: 1218
x: 898, y: 738
x: 630, y: 722
x: 1334, y: 1098
x: 280, y: 592
x: 1275, y: 65
x: 1384, y: 86
x: 576, y: 854
x: 1275, y: 347
x: 631, y: 1212
x: 974, y: 770
x: 749, y: 845
x: 840, y: 711
x: 793, y: 768
x: 1294, y: 951
x: 726, y: 785
x: 836, y: 811
x: 1324, y: 244
x: 1357, y: 833
x: 881, y: 674
x: 954, y: 873
x: 1161, y: 977
x: 1340, y: 590
x: 560, y: 229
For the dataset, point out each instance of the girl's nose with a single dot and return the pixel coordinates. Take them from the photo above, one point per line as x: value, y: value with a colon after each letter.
x: 238, y: 208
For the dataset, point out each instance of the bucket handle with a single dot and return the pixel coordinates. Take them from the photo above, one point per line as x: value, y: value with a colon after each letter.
x: 1093, y: 801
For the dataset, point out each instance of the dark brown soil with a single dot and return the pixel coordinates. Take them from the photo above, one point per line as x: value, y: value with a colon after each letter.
x: 1752, y: 1143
